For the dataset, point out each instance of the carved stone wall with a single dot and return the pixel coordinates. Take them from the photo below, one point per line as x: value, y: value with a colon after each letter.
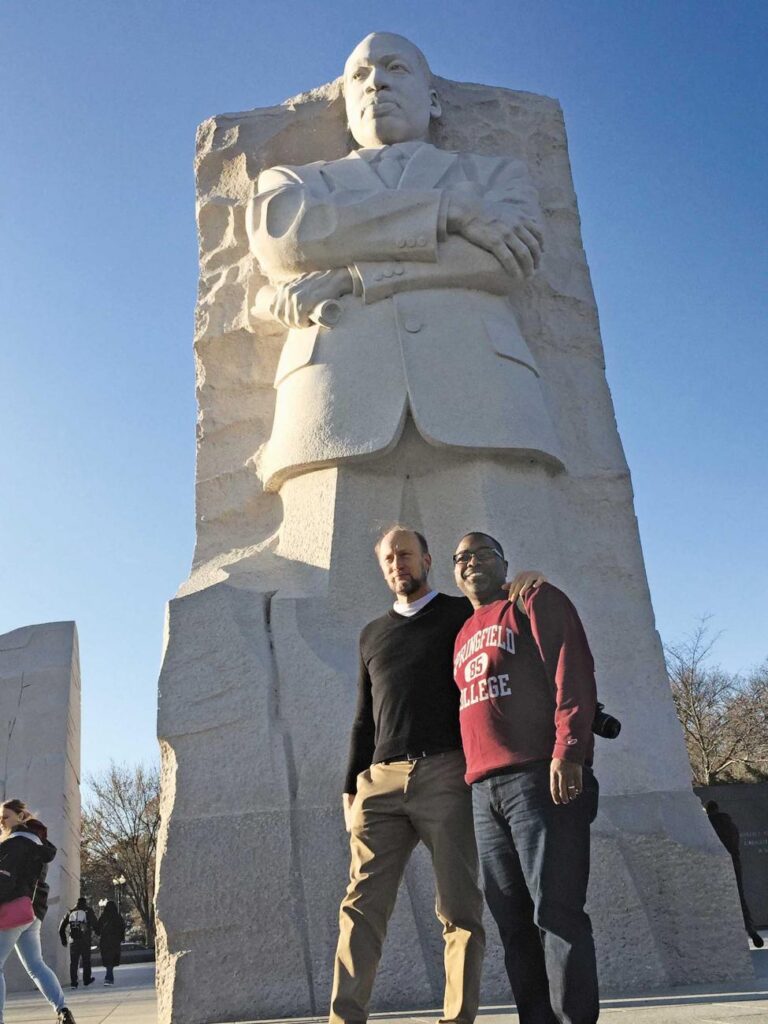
x: 258, y: 682
x: 40, y: 762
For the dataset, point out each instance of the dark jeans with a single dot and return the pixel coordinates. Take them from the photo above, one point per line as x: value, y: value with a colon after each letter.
x: 534, y: 862
x: 76, y: 951
x: 110, y: 973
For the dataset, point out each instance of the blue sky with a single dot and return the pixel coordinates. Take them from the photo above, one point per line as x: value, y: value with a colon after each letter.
x: 665, y: 108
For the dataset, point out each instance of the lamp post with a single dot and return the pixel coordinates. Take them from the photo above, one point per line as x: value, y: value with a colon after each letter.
x: 118, y: 883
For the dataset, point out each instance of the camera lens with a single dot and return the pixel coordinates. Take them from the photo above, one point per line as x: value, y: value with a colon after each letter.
x: 605, y: 725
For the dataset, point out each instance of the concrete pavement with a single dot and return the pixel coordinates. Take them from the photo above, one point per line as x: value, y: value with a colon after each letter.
x: 132, y: 1001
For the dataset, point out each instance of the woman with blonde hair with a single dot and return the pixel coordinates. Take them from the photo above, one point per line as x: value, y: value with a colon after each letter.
x: 25, y: 853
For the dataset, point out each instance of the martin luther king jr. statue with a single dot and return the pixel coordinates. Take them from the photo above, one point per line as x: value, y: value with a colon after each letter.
x: 426, y: 316
x: 422, y: 249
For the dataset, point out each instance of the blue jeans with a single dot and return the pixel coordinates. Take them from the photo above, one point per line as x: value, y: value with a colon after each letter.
x: 534, y: 863
x: 27, y: 942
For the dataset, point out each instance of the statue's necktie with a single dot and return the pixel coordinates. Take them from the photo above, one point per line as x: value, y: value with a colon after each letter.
x: 389, y: 167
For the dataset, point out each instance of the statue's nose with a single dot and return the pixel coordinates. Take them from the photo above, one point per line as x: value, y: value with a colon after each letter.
x: 378, y: 79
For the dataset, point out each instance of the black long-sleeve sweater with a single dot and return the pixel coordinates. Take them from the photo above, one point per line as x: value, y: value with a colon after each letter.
x: 407, y: 700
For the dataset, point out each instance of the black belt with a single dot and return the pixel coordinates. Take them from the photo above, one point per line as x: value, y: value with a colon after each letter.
x: 417, y: 755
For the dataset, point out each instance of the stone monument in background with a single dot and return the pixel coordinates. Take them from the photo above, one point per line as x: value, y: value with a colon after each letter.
x: 40, y: 762
x: 365, y: 354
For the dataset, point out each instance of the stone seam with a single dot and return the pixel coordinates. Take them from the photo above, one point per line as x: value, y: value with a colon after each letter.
x: 295, y: 868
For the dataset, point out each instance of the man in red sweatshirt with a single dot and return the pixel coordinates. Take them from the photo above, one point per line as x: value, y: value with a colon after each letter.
x: 527, y: 702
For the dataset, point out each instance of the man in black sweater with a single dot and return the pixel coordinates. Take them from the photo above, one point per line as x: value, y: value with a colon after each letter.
x: 405, y: 784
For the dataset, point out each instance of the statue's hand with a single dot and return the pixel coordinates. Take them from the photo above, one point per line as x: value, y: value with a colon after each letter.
x: 294, y: 301
x: 517, y: 247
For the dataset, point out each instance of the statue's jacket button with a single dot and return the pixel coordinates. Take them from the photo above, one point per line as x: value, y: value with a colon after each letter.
x: 412, y: 324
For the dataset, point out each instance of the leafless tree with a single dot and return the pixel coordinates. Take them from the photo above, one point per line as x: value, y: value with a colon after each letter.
x: 724, y: 717
x: 749, y: 718
x: 120, y: 826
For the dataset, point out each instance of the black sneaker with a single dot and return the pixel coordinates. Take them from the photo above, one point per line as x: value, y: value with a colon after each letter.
x: 757, y: 939
x: 64, y: 1016
x: 73, y: 985
x: 89, y: 982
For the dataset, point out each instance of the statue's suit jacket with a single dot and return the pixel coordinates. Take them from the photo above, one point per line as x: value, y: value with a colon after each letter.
x: 430, y: 327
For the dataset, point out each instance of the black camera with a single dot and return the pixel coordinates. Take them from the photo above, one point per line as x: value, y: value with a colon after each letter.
x: 605, y: 725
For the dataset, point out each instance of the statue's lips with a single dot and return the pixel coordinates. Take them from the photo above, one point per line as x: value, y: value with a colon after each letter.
x: 379, y: 108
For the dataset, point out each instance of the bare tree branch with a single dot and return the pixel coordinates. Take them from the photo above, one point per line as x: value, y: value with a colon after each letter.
x: 120, y: 826
x: 724, y: 717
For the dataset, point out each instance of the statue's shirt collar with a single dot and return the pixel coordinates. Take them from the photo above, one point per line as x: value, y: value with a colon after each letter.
x: 403, y: 150
x: 423, y: 166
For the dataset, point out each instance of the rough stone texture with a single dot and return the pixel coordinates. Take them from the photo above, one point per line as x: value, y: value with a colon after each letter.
x: 258, y: 681
x: 40, y: 762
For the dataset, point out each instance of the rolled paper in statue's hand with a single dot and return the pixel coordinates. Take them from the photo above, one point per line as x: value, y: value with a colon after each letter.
x: 325, y: 314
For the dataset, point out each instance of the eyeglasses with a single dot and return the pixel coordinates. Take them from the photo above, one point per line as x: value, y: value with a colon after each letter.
x: 479, y: 554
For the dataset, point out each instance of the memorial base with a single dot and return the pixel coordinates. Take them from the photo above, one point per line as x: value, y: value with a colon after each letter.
x: 254, y: 857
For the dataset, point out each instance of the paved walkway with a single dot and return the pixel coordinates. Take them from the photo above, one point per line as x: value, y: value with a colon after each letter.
x: 132, y: 1001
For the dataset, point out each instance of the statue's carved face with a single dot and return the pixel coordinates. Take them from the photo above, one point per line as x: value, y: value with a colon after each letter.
x: 388, y: 93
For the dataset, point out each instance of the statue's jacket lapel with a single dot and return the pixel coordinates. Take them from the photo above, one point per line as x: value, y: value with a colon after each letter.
x: 426, y: 167
x: 404, y: 351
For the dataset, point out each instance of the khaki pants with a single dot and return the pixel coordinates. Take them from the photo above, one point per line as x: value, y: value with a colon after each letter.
x: 397, y: 805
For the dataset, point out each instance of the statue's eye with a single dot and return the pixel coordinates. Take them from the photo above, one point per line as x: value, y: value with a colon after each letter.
x: 397, y: 65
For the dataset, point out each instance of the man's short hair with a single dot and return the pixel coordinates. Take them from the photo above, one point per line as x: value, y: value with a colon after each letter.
x: 482, y: 533
x: 401, y: 528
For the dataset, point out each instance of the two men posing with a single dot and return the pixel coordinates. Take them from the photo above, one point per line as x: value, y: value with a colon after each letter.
x: 522, y: 706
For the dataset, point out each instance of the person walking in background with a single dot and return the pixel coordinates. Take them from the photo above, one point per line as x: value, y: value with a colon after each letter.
x: 25, y: 852
x: 111, y: 934
x: 728, y: 834
x: 80, y: 922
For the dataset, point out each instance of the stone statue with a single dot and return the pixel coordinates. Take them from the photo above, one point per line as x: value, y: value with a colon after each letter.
x: 406, y: 332
x: 40, y: 758
x: 423, y: 249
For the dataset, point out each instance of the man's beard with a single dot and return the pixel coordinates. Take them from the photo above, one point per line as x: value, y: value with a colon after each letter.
x: 407, y: 587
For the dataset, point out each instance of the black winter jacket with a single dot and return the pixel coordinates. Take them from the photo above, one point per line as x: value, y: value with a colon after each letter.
x: 82, y: 934
x: 111, y: 935
x: 23, y: 860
